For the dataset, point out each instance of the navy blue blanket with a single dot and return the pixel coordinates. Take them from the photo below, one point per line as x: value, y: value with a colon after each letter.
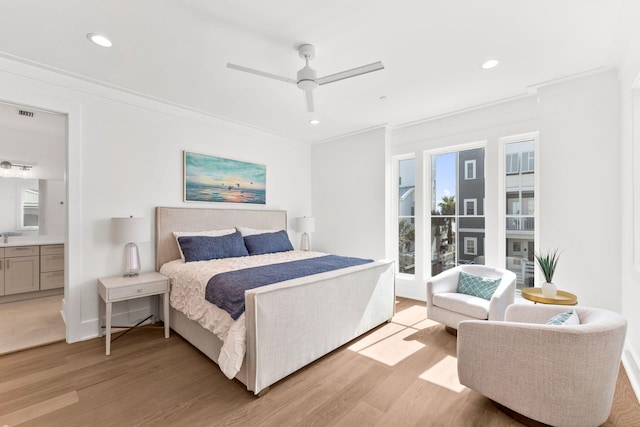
x: 226, y: 290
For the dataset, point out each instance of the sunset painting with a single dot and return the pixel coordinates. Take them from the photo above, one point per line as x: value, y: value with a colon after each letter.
x: 215, y: 179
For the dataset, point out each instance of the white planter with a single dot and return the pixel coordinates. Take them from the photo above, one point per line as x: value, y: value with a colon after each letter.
x: 549, y: 290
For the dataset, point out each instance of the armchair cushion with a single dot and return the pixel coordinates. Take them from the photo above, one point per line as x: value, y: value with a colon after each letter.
x: 466, y: 305
x: 477, y: 286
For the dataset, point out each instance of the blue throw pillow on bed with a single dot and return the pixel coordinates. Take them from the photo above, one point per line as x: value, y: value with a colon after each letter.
x: 268, y: 243
x: 202, y: 248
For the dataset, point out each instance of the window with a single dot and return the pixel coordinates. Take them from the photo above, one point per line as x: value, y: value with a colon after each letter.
x: 450, y: 224
x: 520, y: 210
x: 470, y: 245
x: 528, y: 161
x: 28, y: 206
x: 406, y: 216
x: 470, y: 206
x: 512, y: 163
x: 470, y: 169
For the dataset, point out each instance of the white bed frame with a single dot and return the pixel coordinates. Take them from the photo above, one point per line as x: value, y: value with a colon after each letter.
x: 289, y: 324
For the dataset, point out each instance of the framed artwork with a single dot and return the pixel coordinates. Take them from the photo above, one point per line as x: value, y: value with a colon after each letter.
x: 216, y: 179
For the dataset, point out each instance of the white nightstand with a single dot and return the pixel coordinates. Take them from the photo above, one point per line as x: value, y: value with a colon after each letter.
x: 118, y: 288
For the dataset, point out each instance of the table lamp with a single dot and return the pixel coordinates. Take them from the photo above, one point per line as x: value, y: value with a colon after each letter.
x: 130, y: 230
x: 305, y: 225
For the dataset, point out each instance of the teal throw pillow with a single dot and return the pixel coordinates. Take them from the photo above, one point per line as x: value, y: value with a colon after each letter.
x: 477, y: 286
x: 560, y: 319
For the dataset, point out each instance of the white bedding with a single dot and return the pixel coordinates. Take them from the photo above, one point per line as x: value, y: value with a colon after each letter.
x: 188, y: 283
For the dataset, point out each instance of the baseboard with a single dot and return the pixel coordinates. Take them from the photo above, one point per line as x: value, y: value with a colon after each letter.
x: 632, y: 367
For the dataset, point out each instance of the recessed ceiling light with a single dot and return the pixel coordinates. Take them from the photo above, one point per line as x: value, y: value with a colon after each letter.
x: 314, y: 121
x: 491, y: 63
x: 99, y: 39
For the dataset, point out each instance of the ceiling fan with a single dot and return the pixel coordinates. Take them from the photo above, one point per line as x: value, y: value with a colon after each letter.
x: 307, y: 79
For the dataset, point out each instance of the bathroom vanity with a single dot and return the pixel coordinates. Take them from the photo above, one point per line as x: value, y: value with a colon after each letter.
x: 33, y: 264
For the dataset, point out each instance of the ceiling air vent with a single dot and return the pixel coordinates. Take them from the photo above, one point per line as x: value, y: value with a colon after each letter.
x: 26, y: 113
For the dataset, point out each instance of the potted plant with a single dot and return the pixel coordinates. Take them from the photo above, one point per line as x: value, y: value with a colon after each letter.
x: 548, y: 261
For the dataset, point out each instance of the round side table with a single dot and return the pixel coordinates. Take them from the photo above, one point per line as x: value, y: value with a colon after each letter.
x: 562, y: 298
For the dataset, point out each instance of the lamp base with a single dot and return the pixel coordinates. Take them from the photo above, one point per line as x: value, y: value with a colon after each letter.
x: 130, y: 260
x: 305, y: 244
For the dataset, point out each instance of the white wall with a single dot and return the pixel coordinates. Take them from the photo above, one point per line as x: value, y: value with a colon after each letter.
x: 125, y: 158
x: 349, y: 195
x: 630, y: 207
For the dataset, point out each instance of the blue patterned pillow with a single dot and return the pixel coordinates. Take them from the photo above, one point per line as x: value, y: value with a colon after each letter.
x: 202, y: 248
x: 268, y: 243
x: 560, y: 319
x: 477, y: 286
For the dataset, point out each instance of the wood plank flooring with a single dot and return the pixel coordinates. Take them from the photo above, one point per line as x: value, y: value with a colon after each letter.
x: 31, y: 323
x: 401, y: 374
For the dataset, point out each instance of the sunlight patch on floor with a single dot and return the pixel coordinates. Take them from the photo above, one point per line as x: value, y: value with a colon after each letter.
x: 393, y: 349
x: 445, y: 374
x: 410, y: 316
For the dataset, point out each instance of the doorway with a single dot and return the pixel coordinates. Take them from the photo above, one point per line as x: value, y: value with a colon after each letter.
x: 33, y: 222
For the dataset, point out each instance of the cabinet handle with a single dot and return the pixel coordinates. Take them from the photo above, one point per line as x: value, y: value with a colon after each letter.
x: 139, y: 290
x: 7, y: 264
x: 22, y: 248
x: 1, y: 264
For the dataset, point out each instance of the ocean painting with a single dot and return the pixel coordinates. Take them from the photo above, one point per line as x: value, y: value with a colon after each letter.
x: 215, y: 179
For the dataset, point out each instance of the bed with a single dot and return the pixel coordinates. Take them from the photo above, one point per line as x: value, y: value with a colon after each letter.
x: 288, y: 324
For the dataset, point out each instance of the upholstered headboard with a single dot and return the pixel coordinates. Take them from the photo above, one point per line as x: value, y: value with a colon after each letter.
x: 169, y: 220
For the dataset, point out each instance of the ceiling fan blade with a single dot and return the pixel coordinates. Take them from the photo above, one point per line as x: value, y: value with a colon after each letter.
x: 260, y: 73
x: 308, y: 94
x: 350, y: 73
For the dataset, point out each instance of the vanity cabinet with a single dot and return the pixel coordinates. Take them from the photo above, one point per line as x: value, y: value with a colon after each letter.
x: 21, y: 268
x: 51, y: 267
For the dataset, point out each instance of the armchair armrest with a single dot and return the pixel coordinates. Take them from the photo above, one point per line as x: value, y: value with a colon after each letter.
x: 446, y: 281
x: 503, y: 296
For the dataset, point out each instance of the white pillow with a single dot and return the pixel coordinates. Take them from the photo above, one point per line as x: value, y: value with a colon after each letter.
x: 210, y: 233
x: 245, y: 231
x: 573, y: 319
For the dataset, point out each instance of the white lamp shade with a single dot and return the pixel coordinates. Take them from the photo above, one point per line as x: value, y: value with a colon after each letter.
x: 131, y: 229
x: 305, y: 224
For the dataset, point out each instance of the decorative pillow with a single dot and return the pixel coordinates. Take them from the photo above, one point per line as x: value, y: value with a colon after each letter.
x: 202, y: 248
x: 253, y: 231
x: 268, y: 243
x: 477, y: 286
x: 213, y: 233
x: 567, y: 318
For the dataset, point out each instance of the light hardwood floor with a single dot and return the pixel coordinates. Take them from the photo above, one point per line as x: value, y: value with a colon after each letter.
x: 401, y: 374
x: 31, y: 323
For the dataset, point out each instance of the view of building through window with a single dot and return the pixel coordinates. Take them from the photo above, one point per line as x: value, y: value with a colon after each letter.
x: 457, y: 228
x: 520, y: 210
x: 406, y: 216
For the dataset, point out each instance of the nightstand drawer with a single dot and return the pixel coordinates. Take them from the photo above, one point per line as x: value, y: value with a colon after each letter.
x: 138, y: 290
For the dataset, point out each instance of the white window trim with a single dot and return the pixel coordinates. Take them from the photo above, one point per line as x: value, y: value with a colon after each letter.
x: 468, y: 176
x: 475, y: 245
x: 393, y: 250
x: 475, y: 207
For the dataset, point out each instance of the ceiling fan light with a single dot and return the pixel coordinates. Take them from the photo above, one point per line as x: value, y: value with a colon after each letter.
x: 307, y: 84
x: 100, y: 40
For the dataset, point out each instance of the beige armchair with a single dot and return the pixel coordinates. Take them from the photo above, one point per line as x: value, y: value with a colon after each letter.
x: 558, y: 375
x: 445, y: 305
